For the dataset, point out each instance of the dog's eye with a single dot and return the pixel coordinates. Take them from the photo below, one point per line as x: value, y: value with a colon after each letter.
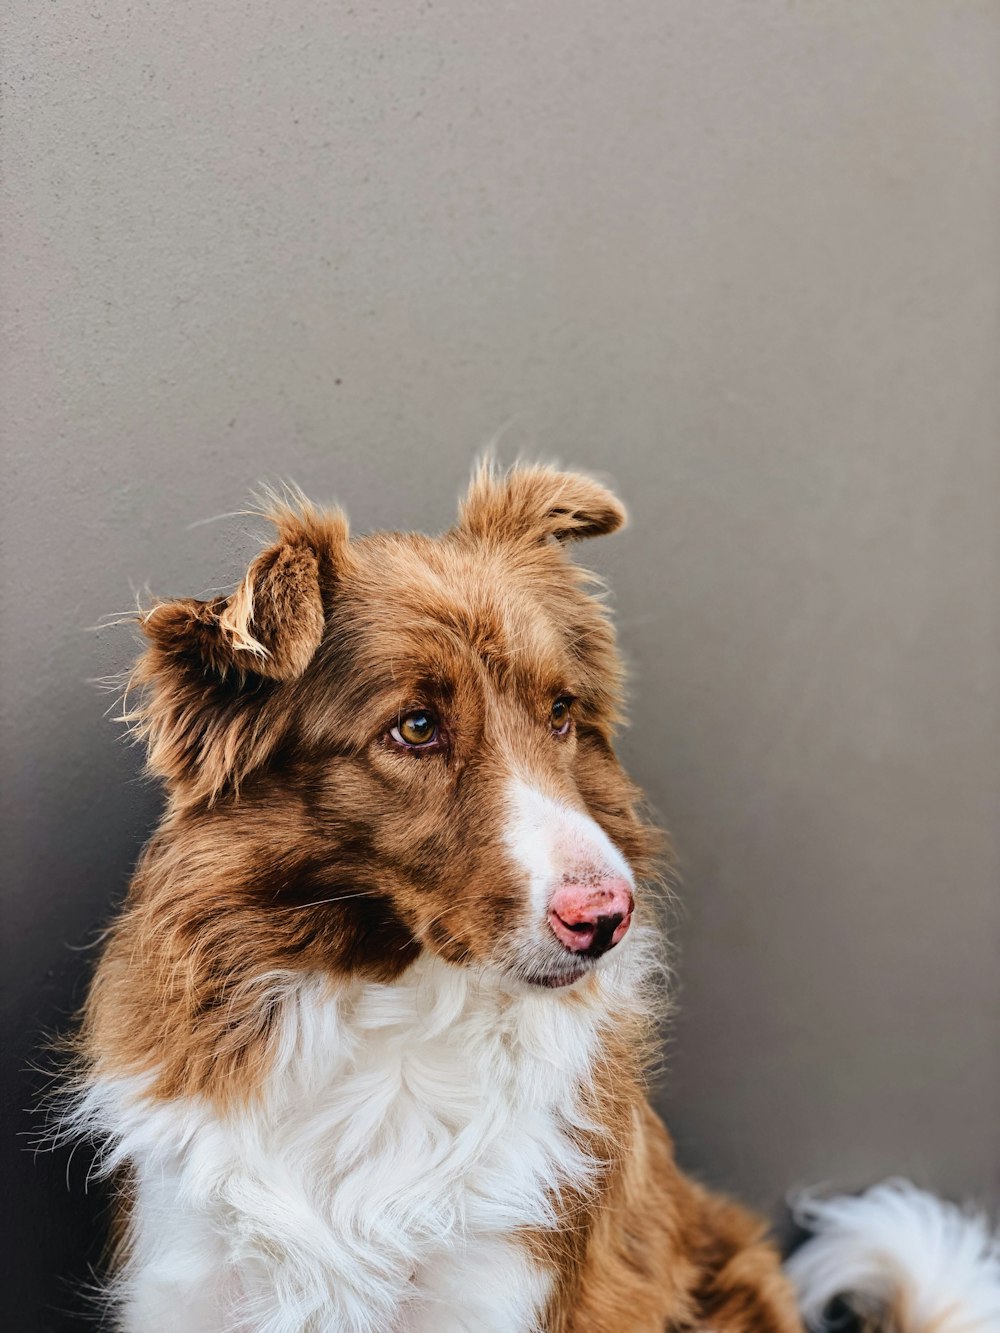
x: 560, y: 716
x: 416, y: 729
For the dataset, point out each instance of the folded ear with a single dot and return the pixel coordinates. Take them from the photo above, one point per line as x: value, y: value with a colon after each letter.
x: 270, y: 626
x: 211, y: 705
x: 533, y: 504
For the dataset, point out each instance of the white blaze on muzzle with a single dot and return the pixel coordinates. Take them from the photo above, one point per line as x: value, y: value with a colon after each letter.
x: 567, y: 856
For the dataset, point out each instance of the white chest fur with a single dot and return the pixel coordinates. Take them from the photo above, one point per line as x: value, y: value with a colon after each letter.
x: 405, y: 1135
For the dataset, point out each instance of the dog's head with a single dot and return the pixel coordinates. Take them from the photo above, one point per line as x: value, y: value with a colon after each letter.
x: 413, y: 736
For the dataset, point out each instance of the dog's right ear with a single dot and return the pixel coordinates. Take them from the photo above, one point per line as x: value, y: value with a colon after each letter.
x: 210, y: 709
x: 270, y: 626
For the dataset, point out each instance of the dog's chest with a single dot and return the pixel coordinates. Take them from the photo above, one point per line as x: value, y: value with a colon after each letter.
x: 408, y: 1134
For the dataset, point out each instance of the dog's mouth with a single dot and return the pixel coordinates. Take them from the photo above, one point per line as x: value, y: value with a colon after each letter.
x: 556, y: 980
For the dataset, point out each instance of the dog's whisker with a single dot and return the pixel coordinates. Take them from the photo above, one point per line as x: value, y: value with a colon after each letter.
x: 321, y: 902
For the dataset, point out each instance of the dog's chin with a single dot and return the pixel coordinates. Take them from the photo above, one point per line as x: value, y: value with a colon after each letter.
x: 557, y: 980
x: 530, y: 970
x: 559, y: 976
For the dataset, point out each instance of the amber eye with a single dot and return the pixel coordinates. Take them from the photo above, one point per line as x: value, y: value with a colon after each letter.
x: 416, y: 729
x: 560, y: 715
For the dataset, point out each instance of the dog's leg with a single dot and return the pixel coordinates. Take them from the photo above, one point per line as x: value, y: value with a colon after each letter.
x: 664, y: 1254
x: 740, y: 1287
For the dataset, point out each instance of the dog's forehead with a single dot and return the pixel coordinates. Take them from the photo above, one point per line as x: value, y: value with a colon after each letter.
x: 423, y: 592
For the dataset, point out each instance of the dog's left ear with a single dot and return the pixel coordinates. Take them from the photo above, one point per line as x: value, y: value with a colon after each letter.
x: 536, y: 504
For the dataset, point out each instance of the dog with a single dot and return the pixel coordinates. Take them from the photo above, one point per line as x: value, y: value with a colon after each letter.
x: 365, y: 1050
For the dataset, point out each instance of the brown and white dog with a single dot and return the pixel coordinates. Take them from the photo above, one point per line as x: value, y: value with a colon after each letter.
x: 365, y: 1049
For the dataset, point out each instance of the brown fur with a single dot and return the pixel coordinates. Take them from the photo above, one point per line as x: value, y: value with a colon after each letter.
x: 299, y: 836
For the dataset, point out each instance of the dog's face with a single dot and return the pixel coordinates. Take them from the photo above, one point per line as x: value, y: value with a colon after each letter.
x: 433, y: 719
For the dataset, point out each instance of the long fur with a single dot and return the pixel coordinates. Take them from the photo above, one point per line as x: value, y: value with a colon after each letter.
x: 348, y: 1075
x: 440, y: 1116
x: 901, y: 1258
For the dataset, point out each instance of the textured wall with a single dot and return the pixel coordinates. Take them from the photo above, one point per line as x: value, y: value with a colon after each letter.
x: 741, y: 256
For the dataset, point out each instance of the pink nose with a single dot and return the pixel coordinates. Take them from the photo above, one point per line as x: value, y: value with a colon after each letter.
x: 591, y: 920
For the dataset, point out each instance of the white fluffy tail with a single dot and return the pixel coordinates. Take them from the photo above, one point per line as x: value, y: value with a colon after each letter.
x: 899, y: 1255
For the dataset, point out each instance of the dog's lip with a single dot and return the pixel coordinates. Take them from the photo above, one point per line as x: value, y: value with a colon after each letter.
x: 555, y: 980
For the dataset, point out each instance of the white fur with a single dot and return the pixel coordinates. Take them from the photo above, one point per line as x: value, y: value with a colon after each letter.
x: 552, y: 842
x: 404, y: 1135
x: 898, y: 1248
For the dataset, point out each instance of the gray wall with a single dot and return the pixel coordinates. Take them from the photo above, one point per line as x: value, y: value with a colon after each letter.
x: 742, y: 256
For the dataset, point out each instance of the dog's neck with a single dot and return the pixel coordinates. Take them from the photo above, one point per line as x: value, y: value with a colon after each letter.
x: 434, y: 1117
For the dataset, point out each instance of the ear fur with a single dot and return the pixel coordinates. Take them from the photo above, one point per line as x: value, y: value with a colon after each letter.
x: 270, y: 626
x: 534, y: 503
x: 210, y: 708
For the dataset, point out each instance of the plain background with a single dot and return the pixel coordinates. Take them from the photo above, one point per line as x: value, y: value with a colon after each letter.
x: 740, y: 256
